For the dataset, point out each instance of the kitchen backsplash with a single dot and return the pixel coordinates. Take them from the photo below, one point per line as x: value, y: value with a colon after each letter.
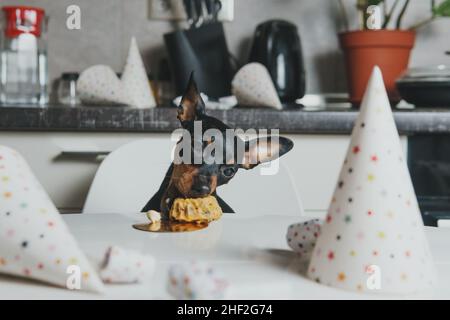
x: 107, y: 26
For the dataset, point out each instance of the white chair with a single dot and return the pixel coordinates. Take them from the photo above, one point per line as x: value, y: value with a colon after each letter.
x: 129, y: 176
x: 251, y: 192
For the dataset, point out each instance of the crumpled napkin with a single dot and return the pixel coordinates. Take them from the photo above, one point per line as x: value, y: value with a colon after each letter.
x: 196, y: 281
x: 302, y: 237
x: 126, y: 266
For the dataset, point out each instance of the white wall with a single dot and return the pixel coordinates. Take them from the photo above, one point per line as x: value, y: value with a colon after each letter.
x: 107, y: 26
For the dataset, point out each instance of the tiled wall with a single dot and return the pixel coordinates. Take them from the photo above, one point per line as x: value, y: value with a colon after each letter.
x: 107, y: 26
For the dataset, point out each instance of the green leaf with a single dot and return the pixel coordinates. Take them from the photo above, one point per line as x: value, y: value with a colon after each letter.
x: 363, y: 4
x: 374, y: 2
x: 443, y: 9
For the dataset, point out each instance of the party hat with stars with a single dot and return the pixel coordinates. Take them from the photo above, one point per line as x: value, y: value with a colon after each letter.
x: 373, y: 237
x: 34, y: 240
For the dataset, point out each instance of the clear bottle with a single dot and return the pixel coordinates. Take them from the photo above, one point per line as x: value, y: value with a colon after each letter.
x: 67, y: 89
x: 23, y: 56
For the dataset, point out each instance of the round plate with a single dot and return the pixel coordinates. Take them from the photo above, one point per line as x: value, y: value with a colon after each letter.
x: 165, y: 226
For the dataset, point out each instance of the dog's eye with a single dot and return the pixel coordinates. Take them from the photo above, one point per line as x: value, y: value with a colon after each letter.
x: 228, y: 172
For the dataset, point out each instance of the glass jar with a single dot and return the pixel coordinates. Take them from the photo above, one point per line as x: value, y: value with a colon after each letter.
x: 23, y: 56
x: 67, y: 89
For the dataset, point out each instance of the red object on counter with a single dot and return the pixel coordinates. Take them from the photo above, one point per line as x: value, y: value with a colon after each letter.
x: 23, y: 19
x: 388, y: 49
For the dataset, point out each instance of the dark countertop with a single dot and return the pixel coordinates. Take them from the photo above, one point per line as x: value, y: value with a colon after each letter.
x: 163, y: 119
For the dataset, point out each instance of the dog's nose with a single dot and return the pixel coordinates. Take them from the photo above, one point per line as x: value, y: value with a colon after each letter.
x: 204, y: 189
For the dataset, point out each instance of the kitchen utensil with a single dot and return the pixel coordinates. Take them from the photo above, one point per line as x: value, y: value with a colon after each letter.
x: 426, y: 86
x: 23, y: 56
x: 213, y: 7
x: 199, y: 13
x: 205, y: 51
x: 67, y: 89
x: 277, y: 46
x: 209, y: 4
x: 189, y: 8
x: 217, y: 8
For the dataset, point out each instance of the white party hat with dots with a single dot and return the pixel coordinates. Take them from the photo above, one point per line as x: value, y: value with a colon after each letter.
x: 373, y: 238
x: 35, y: 242
x: 135, y: 81
x: 99, y: 85
x: 253, y: 86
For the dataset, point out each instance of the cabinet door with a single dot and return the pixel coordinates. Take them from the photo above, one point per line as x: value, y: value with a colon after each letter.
x: 65, y: 163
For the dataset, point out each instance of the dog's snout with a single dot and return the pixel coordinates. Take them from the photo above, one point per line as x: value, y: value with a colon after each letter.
x: 204, y: 189
x: 203, y: 185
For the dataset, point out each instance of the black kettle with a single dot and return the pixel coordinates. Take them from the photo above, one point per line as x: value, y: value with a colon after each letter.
x: 277, y: 46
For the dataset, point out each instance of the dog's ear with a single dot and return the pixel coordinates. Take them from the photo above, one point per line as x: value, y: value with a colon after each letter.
x: 265, y: 149
x: 192, y: 106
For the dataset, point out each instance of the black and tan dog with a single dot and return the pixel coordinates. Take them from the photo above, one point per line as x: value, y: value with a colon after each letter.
x: 188, y: 180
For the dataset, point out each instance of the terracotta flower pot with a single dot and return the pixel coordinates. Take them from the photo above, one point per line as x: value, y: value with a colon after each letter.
x: 389, y: 49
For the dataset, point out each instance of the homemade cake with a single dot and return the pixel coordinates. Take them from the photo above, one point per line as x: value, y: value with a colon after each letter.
x: 195, y: 210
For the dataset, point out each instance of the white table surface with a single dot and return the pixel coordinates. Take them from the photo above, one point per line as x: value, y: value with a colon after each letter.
x: 250, y: 251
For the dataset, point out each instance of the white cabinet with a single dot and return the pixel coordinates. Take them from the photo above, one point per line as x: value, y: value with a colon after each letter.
x: 315, y: 163
x: 65, y: 163
x: 62, y: 163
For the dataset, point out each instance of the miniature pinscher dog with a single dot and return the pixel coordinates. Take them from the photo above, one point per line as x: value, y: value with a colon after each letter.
x: 187, y: 180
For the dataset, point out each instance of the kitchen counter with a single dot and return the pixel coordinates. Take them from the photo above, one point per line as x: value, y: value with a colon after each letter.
x: 163, y: 119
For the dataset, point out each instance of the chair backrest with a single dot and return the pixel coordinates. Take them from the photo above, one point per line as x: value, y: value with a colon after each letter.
x: 130, y: 175
x: 252, y: 192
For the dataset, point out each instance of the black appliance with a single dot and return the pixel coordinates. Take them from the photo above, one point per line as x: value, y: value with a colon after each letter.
x: 277, y: 46
x: 429, y: 165
x: 426, y: 87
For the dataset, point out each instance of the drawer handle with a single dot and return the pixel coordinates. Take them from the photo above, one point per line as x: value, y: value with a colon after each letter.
x: 83, y: 155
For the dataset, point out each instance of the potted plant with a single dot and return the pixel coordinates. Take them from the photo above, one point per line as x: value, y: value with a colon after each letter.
x: 389, y: 46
